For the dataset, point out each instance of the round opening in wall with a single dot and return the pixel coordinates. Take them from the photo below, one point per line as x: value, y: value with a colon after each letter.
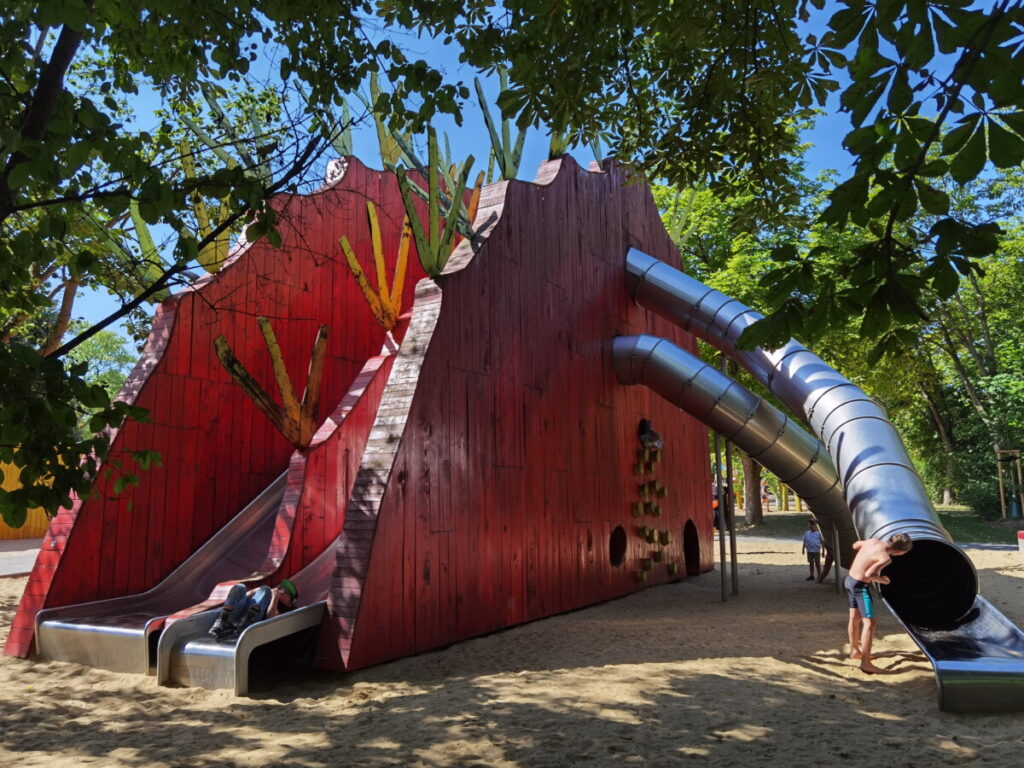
x: 617, y: 546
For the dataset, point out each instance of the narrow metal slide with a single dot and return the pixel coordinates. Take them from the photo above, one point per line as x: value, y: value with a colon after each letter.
x: 977, y: 653
x: 120, y: 634
x: 187, y: 655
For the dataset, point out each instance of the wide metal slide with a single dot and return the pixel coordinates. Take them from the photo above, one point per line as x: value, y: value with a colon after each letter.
x: 977, y: 653
x: 120, y: 634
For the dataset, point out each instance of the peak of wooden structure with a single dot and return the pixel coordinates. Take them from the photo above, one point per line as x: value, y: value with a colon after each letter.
x: 500, y: 483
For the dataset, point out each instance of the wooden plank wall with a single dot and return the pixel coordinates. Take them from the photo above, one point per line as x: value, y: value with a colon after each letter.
x: 218, y: 451
x: 516, y: 460
x: 322, y: 477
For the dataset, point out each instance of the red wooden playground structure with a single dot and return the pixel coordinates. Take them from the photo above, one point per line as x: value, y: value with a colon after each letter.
x: 481, y: 470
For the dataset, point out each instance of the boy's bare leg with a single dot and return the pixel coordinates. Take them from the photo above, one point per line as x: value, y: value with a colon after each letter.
x: 853, y: 630
x: 866, y: 639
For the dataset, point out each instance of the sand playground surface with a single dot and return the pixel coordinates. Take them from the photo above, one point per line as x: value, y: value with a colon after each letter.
x: 669, y: 676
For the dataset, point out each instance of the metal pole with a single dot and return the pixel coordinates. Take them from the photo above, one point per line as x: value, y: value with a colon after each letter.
x: 835, y: 560
x: 1002, y: 491
x: 730, y: 517
x: 721, y: 515
x: 731, y: 520
x: 1020, y: 482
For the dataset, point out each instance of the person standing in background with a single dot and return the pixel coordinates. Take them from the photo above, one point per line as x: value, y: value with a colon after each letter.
x: 812, y: 546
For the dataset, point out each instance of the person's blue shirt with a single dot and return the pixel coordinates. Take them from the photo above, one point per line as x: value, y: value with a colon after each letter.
x: 812, y: 541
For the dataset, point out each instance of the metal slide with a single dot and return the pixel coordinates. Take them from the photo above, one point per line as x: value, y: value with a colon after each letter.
x: 119, y: 634
x: 977, y: 653
x: 187, y: 655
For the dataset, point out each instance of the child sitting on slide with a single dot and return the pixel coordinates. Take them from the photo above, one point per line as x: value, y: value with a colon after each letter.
x: 242, y: 609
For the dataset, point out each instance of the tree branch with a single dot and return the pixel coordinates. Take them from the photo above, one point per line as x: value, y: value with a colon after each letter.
x: 177, y: 268
x: 40, y: 111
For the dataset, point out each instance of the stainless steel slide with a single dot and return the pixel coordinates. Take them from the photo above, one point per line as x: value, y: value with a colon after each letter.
x: 187, y: 655
x: 119, y: 634
x: 977, y: 653
x: 979, y: 663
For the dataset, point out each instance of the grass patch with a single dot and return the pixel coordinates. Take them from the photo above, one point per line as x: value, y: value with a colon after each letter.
x: 961, y: 522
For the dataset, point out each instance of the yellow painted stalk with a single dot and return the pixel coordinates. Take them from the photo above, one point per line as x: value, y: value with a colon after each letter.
x: 364, y: 285
x: 378, y: 260
x: 400, y: 265
x: 284, y: 383
x: 474, y: 198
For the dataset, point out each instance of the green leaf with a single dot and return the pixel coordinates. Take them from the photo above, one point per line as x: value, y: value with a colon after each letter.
x: 970, y: 160
x: 786, y: 252
x: 920, y: 49
x: 861, y: 97
x: 877, y: 317
x: 900, y: 94
x: 919, y: 126
x: 944, y: 278
x: 255, y: 231
x: 934, y: 168
x: 907, y: 151
x: 934, y: 201
x: 980, y: 239
x: 1006, y: 150
x: 19, y: 175
x: 1014, y: 120
x: 955, y: 139
x: 861, y: 139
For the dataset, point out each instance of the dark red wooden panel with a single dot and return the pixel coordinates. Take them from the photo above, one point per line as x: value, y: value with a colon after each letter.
x: 516, y: 408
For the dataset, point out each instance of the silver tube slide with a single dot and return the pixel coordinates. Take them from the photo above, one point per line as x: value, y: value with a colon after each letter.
x: 766, y: 434
x: 935, y: 584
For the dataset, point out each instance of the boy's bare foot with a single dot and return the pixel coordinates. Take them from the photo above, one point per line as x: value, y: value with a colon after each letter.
x: 855, y: 654
x: 870, y: 669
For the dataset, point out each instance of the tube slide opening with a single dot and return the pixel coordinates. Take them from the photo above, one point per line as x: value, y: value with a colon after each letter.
x: 933, y: 586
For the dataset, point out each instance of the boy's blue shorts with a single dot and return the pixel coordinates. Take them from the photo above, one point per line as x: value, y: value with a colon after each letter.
x: 859, y: 596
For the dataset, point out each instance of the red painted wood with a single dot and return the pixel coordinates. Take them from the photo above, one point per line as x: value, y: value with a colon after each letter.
x: 219, y: 451
x: 517, y: 411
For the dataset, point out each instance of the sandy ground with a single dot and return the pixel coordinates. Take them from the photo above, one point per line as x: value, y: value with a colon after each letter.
x: 670, y: 676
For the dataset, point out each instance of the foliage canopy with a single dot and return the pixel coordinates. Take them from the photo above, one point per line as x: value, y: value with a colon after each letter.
x: 695, y: 93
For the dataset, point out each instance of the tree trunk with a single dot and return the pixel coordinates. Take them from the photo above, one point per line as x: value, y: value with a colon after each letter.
x: 41, y: 108
x: 752, y: 491
x: 60, y: 325
x: 936, y: 417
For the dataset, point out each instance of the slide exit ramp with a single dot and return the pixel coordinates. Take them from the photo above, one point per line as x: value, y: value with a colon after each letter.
x: 979, y: 663
x: 187, y: 655
x: 120, y: 634
x: 976, y: 651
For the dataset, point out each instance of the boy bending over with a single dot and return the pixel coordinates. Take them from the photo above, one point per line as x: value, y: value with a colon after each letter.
x: 873, y: 555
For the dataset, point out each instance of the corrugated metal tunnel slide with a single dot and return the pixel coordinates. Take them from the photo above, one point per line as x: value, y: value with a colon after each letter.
x: 977, y: 653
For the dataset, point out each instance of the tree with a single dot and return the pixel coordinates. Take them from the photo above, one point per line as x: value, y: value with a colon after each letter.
x: 696, y: 93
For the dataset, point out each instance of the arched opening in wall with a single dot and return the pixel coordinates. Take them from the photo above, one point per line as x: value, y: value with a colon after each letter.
x: 617, y: 546
x: 691, y: 549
